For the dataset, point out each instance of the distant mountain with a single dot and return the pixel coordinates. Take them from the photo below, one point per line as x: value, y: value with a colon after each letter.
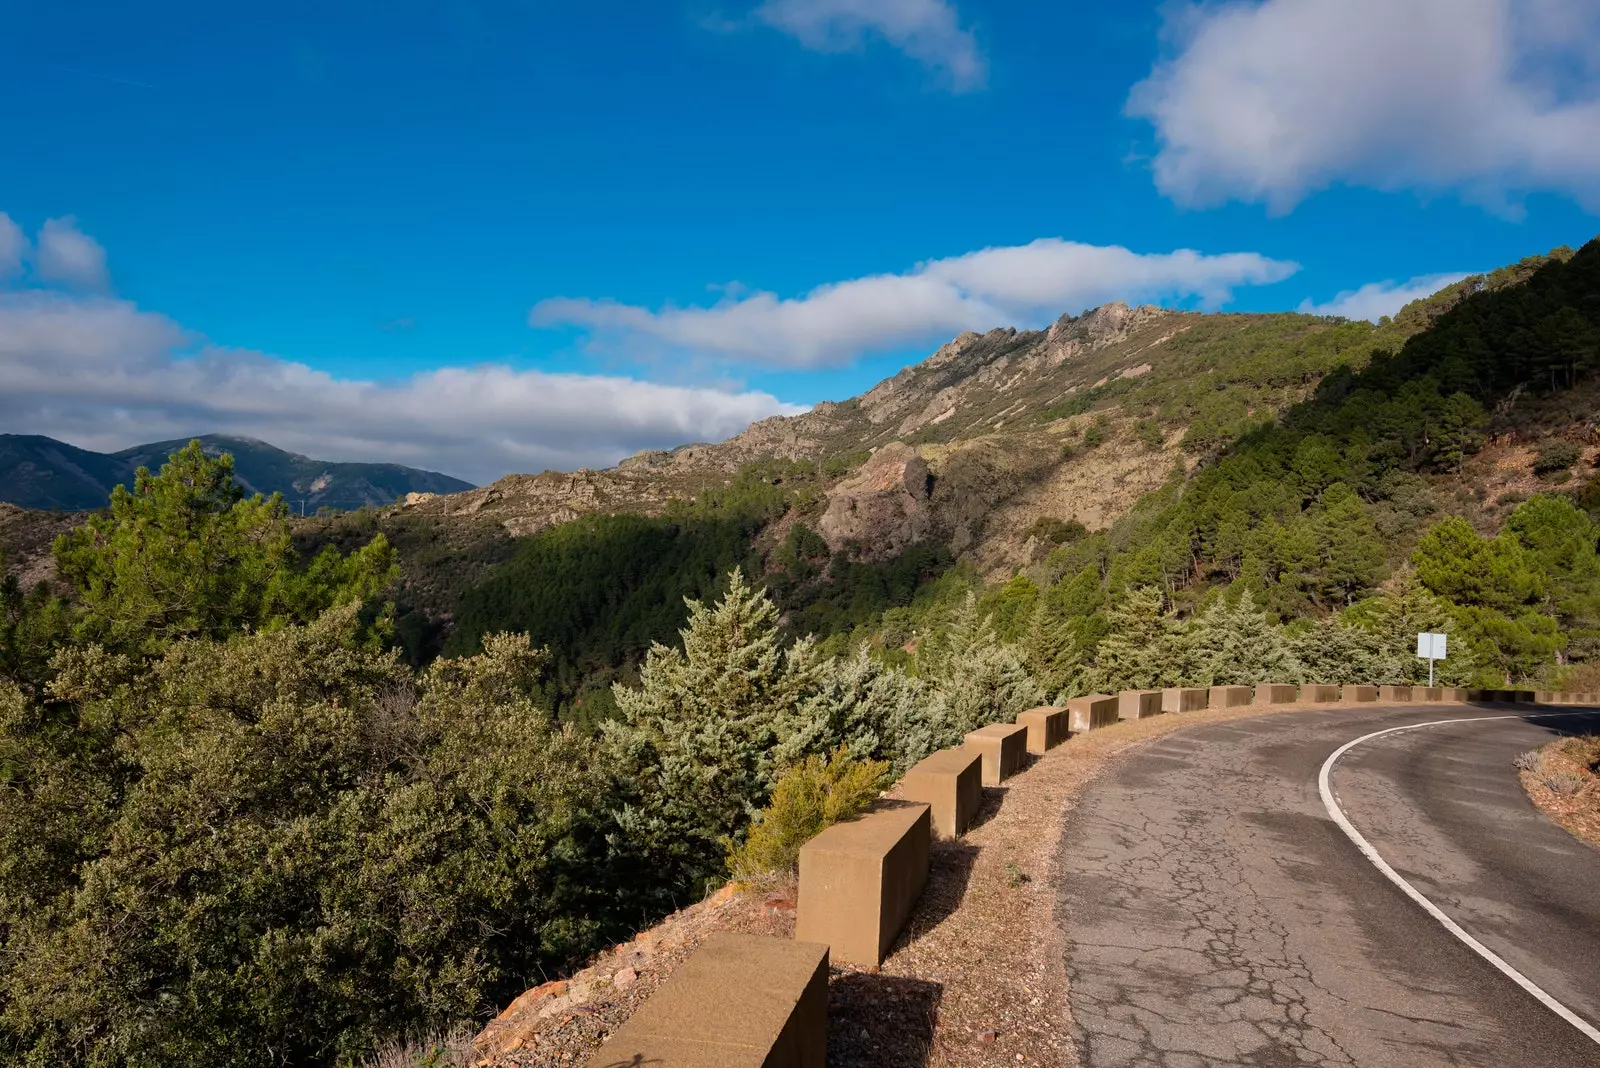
x: 40, y: 472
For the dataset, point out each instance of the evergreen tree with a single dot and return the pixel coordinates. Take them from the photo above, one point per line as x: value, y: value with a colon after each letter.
x: 876, y: 711
x: 1235, y: 645
x: 1053, y: 648
x: 186, y: 555
x: 697, y: 749
x: 979, y: 679
x: 1394, y: 618
x: 1334, y: 653
x: 1137, y: 650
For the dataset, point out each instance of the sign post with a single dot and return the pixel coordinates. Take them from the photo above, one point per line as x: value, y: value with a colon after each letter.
x: 1430, y: 647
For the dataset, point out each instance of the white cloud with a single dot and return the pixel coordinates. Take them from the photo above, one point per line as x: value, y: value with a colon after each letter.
x: 1017, y: 285
x: 13, y: 247
x: 67, y: 255
x: 1270, y: 101
x: 928, y: 31
x: 103, y: 374
x: 1376, y: 299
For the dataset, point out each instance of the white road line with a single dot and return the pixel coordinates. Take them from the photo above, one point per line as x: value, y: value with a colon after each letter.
x: 1414, y: 894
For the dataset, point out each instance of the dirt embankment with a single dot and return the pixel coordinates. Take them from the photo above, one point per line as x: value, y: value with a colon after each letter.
x: 1561, y: 778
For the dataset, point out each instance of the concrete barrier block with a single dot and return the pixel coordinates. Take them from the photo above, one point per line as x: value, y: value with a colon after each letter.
x: 1047, y: 728
x: 739, y: 1001
x: 860, y: 878
x: 950, y: 783
x: 1353, y: 694
x: 1430, y: 694
x: 1523, y: 696
x: 1394, y: 693
x: 1228, y: 696
x: 1091, y: 712
x: 1271, y: 693
x: 1477, y: 696
x: 1003, y: 747
x: 1454, y: 694
x: 1137, y: 704
x: 1546, y: 697
x: 1318, y: 695
x: 1178, y: 699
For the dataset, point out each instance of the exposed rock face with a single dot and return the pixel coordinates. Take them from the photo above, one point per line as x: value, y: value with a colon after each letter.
x: 931, y: 419
x: 884, y: 506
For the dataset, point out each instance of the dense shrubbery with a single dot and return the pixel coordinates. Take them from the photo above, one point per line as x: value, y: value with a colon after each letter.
x: 234, y: 830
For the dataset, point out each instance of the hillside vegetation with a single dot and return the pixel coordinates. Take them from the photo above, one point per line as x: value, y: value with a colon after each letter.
x: 1304, y: 462
x: 250, y: 815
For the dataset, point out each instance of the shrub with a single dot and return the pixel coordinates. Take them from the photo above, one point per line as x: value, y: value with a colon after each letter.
x: 1565, y: 783
x: 1150, y: 435
x: 1095, y: 434
x: 812, y: 795
x: 1555, y: 456
x: 1532, y: 760
x: 1056, y: 531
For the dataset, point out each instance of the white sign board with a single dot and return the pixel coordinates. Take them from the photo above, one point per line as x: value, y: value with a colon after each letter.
x: 1430, y: 646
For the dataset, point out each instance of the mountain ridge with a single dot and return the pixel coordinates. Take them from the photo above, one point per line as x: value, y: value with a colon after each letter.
x: 43, y: 473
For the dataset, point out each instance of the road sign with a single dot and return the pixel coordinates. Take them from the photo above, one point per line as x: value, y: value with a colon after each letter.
x: 1430, y: 647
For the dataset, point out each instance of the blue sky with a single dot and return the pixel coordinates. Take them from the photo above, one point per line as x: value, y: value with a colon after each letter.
x: 508, y: 234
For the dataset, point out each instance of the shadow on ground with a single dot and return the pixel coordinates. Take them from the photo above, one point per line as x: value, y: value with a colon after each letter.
x: 880, y: 1021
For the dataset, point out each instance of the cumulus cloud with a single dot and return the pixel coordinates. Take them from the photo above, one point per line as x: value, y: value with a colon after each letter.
x: 104, y: 374
x: 1376, y: 299
x: 67, y: 255
x: 1016, y: 285
x: 928, y: 31
x: 13, y: 247
x: 1269, y: 101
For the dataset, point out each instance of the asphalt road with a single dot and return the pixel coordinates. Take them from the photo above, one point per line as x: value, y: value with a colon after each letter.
x: 1215, y: 914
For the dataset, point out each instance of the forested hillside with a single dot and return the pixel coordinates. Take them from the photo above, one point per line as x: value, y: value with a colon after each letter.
x: 1302, y: 462
x: 276, y: 792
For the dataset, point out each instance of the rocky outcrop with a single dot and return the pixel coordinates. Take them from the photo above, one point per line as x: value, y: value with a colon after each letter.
x: 884, y: 507
x: 970, y: 388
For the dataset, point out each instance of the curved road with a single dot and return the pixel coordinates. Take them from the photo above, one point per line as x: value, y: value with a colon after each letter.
x: 1215, y: 914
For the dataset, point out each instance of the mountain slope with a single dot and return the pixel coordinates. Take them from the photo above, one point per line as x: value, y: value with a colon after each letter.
x: 996, y: 433
x: 40, y: 472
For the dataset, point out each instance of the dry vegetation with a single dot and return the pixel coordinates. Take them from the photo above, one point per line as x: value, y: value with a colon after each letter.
x: 1561, y: 779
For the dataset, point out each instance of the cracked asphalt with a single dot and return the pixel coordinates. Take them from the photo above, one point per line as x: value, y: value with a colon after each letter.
x: 1214, y: 915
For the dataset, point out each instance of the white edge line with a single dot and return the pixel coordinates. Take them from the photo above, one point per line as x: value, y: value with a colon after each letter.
x: 1337, y: 813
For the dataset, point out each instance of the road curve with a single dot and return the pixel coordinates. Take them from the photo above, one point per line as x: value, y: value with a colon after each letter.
x: 1214, y: 914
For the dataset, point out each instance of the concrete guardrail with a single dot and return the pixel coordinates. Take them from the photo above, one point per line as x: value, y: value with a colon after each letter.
x: 859, y: 879
x: 1091, y: 712
x: 739, y: 1001
x: 1394, y: 693
x: 1003, y: 747
x: 1229, y: 696
x: 950, y: 783
x: 1355, y: 694
x: 1047, y: 728
x: 1137, y: 704
x: 1318, y: 695
x: 1179, y: 699
x: 1272, y: 693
